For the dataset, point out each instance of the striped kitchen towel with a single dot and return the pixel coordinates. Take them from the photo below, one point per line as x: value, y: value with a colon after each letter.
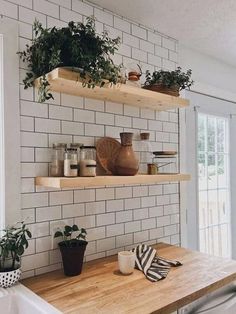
x: 153, y: 266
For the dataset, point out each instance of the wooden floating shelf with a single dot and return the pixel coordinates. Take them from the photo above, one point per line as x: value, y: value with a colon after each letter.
x: 67, y: 81
x: 81, y: 182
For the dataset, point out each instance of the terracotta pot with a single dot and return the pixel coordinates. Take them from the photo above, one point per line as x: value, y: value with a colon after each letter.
x: 173, y: 91
x: 126, y: 163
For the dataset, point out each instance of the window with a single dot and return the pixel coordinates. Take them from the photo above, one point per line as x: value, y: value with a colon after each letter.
x: 213, y: 185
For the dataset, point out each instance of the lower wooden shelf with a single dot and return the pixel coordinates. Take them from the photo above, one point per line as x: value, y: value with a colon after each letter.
x: 80, y: 182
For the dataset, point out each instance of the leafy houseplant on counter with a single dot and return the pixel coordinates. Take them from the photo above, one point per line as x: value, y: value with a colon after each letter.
x: 77, y: 47
x: 12, y: 246
x: 72, y: 249
x: 168, y: 82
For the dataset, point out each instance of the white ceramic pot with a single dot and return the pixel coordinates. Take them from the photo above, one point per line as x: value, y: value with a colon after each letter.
x: 126, y: 261
x: 9, y: 278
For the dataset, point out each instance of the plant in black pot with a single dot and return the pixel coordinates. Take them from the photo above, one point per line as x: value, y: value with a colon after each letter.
x: 13, y: 243
x: 168, y: 82
x: 72, y: 249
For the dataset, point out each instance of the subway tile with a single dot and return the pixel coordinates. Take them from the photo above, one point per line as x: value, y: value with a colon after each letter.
x: 46, y: 7
x: 43, y: 154
x: 123, y: 192
x: 27, y: 154
x: 34, y: 109
x: 47, y: 125
x: 121, y: 24
x: 72, y: 101
x: 94, y: 104
x: 94, y: 129
x: 124, y: 216
x: 73, y: 128
x: 170, y: 230
x: 139, y: 191
x: 148, y: 201
x: 115, y: 205
x: 154, y: 60
x: 27, y: 123
x: 104, y: 17
x: 105, y: 219
x: 141, y: 236
x: 27, y: 185
x: 39, y: 229
x: 29, y: 200
x: 34, y: 139
x: 61, y: 197
x: 48, y: 213
x: 28, y: 215
x: 132, y: 226
x: 130, y: 40
x: 8, y: 9
x: 123, y: 240
x: 96, y: 233
x: 95, y: 208
x: 43, y: 244
x: 123, y: 121
x: 140, y: 213
x: 156, y: 211
x: 35, y: 261
x: 114, y: 107
x: 25, y: 15
x: 161, y: 52
x: 73, y: 210
x: 154, y: 38
x: 113, y: 32
x: 105, y: 194
x: 139, y: 31
x: 114, y: 230
x: 85, y: 221
x: 139, y: 55
x: 147, y: 46
x: 62, y: 3
x: 105, y: 244
x: 148, y: 224
x: 167, y: 64
x: 163, y: 221
x: 131, y: 111
x: 68, y: 15
x: 59, y: 112
x: 81, y: 196
x: 104, y: 118
x: 84, y: 115
x: 156, y: 233
x: 82, y: 8
x: 169, y: 43
x: 132, y: 203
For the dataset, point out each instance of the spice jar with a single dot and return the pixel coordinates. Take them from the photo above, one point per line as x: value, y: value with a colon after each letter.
x: 146, y: 151
x: 77, y: 146
x: 57, y: 163
x: 70, y: 163
x: 88, y: 161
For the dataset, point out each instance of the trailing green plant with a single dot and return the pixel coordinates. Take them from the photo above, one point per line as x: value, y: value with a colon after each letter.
x: 67, y: 235
x: 13, y: 243
x: 171, y: 79
x: 77, y: 46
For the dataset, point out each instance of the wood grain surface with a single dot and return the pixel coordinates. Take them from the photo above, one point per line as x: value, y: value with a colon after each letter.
x: 102, y: 289
x: 65, y: 81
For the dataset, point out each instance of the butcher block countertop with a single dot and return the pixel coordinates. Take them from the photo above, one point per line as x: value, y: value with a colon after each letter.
x: 102, y: 289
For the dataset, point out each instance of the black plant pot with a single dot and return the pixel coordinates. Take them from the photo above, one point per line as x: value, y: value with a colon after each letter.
x: 73, y: 256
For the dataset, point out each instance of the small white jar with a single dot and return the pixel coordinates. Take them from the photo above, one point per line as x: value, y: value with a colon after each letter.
x: 88, y: 162
x: 70, y: 163
x: 126, y: 261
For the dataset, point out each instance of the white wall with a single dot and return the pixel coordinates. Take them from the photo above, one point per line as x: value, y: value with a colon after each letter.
x: 211, y: 76
x: 116, y: 217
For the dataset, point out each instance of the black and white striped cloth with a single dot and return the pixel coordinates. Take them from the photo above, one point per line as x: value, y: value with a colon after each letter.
x: 153, y: 266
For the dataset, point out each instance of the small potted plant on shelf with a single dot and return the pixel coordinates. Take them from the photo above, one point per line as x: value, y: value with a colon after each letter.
x: 78, y: 48
x: 168, y: 82
x: 13, y: 243
x: 72, y: 249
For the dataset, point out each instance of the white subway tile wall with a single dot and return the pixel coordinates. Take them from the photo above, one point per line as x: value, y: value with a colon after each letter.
x: 116, y: 218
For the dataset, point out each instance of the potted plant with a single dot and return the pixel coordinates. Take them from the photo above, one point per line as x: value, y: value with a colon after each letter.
x: 168, y: 82
x: 72, y: 249
x: 13, y: 243
x: 76, y: 46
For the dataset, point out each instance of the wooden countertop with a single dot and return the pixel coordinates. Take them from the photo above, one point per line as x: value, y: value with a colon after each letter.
x: 102, y: 289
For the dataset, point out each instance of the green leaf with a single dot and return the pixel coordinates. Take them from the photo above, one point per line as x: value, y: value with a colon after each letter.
x: 75, y: 228
x: 58, y: 234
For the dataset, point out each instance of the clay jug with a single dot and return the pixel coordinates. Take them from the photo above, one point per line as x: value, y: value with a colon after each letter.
x: 126, y: 163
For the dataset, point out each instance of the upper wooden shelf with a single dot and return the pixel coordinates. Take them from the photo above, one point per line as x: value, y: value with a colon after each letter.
x: 81, y: 182
x: 66, y: 81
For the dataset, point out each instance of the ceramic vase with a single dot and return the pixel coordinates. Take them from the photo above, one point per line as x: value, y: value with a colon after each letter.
x: 126, y: 163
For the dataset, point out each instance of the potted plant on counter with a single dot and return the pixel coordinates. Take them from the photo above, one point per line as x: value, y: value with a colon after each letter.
x: 13, y: 243
x: 72, y: 249
x: 168, y: 82
x: 77, y: 47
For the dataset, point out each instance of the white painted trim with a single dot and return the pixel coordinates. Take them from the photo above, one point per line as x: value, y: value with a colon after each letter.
x: 11, y: 125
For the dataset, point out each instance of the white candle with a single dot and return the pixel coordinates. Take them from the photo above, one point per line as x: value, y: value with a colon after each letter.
x: 126, y: 261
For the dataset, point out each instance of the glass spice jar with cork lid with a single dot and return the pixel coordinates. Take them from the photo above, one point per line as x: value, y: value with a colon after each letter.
x: 70, y: 163
x: 88, y: 162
